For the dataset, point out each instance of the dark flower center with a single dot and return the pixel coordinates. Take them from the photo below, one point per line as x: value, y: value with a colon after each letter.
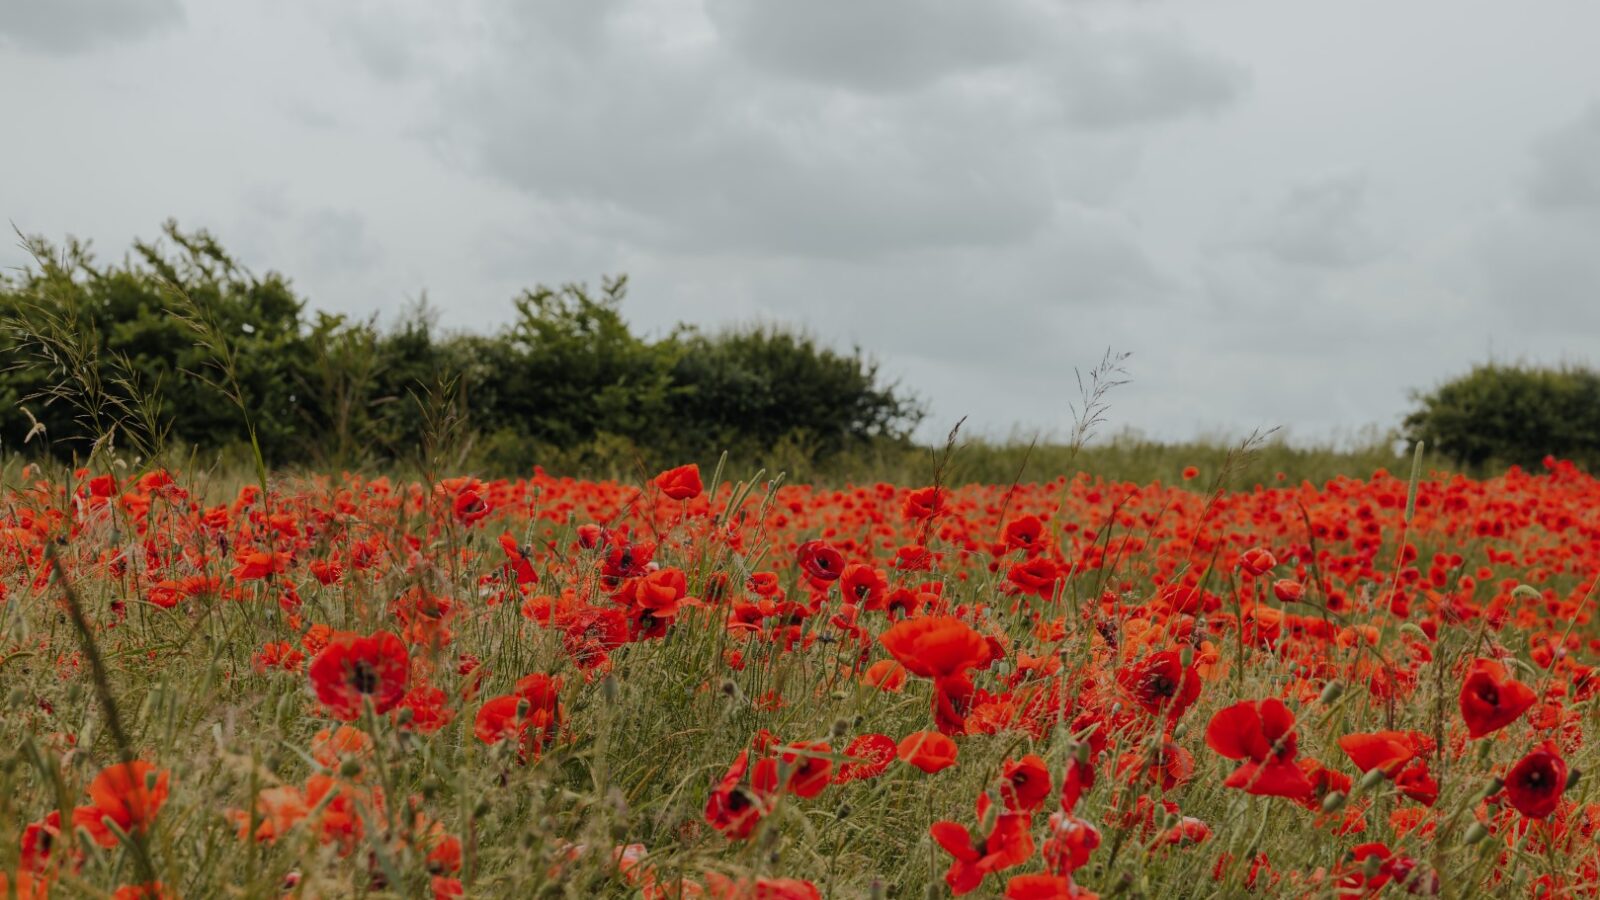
x: 363, y: 677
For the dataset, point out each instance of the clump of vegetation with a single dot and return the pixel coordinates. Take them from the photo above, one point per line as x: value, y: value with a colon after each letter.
x: 166, y: 345
x: 1512, y: 415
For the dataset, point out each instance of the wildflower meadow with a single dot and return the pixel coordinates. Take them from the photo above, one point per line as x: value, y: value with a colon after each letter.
x: 697, y: 684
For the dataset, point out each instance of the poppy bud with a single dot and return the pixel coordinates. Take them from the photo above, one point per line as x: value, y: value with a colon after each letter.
x: 608, y: 689
x: 843, y: 812
x: 1334, y: 801
x: 1178, y: 731
x: 431, y: 786
x: 1080, y: 753
x: 481, y: 810
x: 1332, y: 692
x: 841, y: 727
x: 729, y: 688
x: 1525, y: 592
x: 1371, y: 865
x: 1186, y: 656
x: 350, y: 768
x: 405, y: 715
x: 1371, y: 780
x: 1572, y: 778
x: 1475, y: 833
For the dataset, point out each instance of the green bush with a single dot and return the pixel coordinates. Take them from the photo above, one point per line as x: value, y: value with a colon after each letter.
x: 180, y: 346
x: 1512, y: 414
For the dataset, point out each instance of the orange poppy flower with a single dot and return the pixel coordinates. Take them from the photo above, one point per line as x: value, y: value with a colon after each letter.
x: 929, y: 751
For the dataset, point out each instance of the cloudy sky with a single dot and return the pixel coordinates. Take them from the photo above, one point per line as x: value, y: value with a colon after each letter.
x: 1288, y: 213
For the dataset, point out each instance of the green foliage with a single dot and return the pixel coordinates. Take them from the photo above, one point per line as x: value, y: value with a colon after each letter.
x: 179, y: 345
x: 748, y: 389
x: 1512, y: 414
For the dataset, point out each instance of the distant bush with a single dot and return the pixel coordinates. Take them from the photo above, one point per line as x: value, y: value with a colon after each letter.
x: 180, y: 346
x: 1512, y: 414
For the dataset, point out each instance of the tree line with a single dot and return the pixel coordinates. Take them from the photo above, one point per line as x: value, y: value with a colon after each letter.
x: 179, y: 346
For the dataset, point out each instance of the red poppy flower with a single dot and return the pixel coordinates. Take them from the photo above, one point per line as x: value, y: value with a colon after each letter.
x: 923, y: 504
x: 352, y: 668
x: 1025, y: 784
x: 519, y: 559
x: 1260, y: 735
x: 721, y: 887
x: 820, y: 561
x: 735, y: 806
x: 863, y: 585
x: 1491, y: 699
x: 1037, y: 576
x: 1287, y: 590
x: 1040, y: 887
x: 810, y: 772
x: 1160, y: 684
x: 1008, y: 844
x: 885, y: 675
x: 469, y: 507
x: 129, y: 794
x: 1257, y: 560
x: 1417, y: 782
x: 1535, y: 784
x: 929, y: 751
x: 1023, y: 533
x: 872, y: 754
x: 1078, y: 779
x: 936, y: 646
x: 1386, y: 750
x: 953, y: 699
x: 1070, y: 843
x: 682, y: 483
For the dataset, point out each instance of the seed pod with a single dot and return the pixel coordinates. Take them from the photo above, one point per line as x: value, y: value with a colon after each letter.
x: 1334, y: 801
x: 1333, y: 691
x: 1371, y: 780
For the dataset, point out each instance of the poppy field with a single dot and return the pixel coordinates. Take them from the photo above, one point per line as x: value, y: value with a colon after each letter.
x: 693, y: 685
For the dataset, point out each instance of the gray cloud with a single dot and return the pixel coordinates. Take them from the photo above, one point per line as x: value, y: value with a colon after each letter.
x: 1322, y: 223
x: 1116, y: 78
x: 885, y: 45
x: 817, y: 130
x: 1538, y: 258
x: 1566, y: 176
x: 72, y: 26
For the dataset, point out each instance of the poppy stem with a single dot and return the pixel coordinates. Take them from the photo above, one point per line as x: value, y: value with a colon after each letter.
x: 108, y: 702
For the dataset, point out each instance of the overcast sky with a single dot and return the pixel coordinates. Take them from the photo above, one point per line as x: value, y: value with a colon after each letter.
x: 1288, y: 213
